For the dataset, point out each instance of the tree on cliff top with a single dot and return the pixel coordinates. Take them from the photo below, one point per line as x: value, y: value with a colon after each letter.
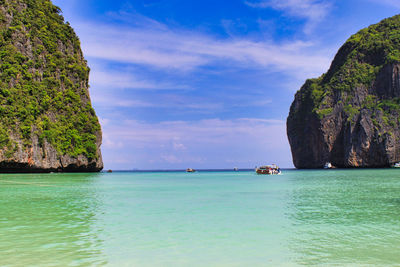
x: 43, y: 82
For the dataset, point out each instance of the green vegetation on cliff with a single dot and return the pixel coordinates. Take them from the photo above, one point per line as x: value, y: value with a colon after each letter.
x: 43, y: 81
x: 350, y: 116
x: 356, y: 65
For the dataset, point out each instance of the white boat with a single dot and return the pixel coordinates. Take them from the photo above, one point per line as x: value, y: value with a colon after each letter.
x: 268, y: 169
x: 396, y: 165
x: 328, y: 165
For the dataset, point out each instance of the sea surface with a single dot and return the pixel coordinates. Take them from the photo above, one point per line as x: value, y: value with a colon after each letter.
x: 299, y: 218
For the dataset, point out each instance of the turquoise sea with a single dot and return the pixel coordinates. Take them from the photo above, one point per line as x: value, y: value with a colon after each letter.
x: 299, y: 218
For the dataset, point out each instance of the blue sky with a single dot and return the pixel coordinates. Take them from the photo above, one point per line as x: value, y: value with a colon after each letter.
x: 207, y: 84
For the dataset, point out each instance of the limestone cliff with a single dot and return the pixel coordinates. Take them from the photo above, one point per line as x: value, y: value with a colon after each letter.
x: 47, y: 122
x: 350, y: 116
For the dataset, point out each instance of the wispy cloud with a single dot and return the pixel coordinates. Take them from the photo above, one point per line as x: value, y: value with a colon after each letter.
x: 104, y: 77
x: 148, y: 55
x: 115, y: 79
x: 196, y: 141
x: 211, y: 131
x: 190, y: 104
x: 311, y: 10
x: 174, y: 49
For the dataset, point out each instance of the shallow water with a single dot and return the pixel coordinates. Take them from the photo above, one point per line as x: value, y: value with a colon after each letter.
x: 330, y: 218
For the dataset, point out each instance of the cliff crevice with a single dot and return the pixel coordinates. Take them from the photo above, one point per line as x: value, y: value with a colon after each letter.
x: 350, y: 116
x: 47, y: 122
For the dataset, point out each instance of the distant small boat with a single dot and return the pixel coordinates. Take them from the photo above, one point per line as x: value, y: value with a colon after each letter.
x: 235, y: 169
x: 328, y: 165
x: 109, y: 171
x: 268, y: 169
x: 396, y: 165
x: 190, y: 170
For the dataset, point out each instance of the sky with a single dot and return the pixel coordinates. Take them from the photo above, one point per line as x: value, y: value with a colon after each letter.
x: 207, y: 84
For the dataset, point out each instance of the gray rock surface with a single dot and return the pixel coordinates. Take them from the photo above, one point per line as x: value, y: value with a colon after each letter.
x: 50, y: 62
x: 357, y: 125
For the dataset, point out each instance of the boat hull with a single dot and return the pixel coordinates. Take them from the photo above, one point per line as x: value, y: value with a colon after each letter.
x: 267, y: 170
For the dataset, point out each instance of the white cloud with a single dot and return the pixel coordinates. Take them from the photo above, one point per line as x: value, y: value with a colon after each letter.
x: 211, y: 130
x: 158, y: 48
x: 312, y: 10
x: 245, y: 140
x: 126, y: 80
x: 171, y: 159
x: 255, y: 103
x: 179, y: 50
x: 176, y: 101
x: 179, y: 146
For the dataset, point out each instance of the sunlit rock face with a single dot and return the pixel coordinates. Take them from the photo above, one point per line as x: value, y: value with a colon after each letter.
x: 350, y: 115
x: 47, y: 122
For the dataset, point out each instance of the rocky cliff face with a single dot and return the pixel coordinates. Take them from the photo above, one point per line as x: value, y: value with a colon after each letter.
x: 47, y: 122
x: 350, y: 116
